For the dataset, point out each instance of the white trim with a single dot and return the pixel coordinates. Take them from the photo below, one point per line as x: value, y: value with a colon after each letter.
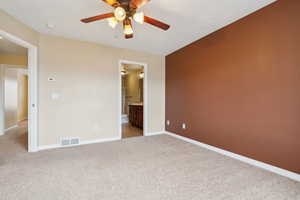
x: 268, y: 167
x: 2, y: 107
x: 12, y: 127
x: 155, y: 133
x: 145, y: 103
x: 52, y: 146
x: 99, y: 141
x: 33, y: 89
x: 56, y: 146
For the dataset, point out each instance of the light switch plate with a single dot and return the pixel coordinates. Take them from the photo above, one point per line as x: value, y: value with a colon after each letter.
x: 183, y: 126
x: 55, y: 96
x: 168, y: 122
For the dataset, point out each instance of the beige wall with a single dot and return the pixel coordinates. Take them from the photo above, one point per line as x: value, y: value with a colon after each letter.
x: 22, y: 97
x: 133, y: 86
x: 87, y: 81
x: 11, y: 25
x: 132, y: 89
x: 11, y: 59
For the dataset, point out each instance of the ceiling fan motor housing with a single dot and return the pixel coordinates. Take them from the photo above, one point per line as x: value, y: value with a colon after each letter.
x: 124, y: 1
x: 130, y: 11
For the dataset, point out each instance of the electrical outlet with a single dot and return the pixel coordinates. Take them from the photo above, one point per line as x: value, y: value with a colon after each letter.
x: 168, y: 122
x: 183, y: 126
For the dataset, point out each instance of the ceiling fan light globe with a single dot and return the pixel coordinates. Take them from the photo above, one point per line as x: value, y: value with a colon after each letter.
x: 112, y: 22
x: 120, y: 13
x: 128, y: 29
x: 139, y: 17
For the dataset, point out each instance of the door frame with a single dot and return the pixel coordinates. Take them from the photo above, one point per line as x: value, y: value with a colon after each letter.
x: 145, y: 96
x: 33, y: 89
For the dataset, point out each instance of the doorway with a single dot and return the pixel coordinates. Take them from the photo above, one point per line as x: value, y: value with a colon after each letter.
x: 14, y: 106
x: 133, y: 98
x: 32, y: 137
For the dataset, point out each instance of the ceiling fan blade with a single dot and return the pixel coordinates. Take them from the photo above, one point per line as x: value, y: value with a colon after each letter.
x: 98, y: 17
x: 129, y: 36
x: 156, y: 23
x: 113, y: 3
x: 138, y: 3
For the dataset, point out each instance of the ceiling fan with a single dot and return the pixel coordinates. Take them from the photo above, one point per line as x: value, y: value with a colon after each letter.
x: 124, y: 12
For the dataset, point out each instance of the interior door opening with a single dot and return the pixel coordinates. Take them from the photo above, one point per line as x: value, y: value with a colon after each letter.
x: 132, y: 100
x: 19, y: 79
x: 14, y: 107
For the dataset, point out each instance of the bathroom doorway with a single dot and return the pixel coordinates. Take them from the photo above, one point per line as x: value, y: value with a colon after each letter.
x: 132, y: 99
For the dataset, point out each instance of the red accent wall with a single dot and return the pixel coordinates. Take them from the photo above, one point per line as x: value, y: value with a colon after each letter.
x: 239, y: 88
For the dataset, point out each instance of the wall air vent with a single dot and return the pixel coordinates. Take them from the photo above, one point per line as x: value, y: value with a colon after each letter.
x: 74, y: 141
x: 69, y: 141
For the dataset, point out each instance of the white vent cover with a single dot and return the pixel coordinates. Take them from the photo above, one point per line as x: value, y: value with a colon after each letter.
x: 74, y: 141
x: 69, y: 141
x: 65, y: 142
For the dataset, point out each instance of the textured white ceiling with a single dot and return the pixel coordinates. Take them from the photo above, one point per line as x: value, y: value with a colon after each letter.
x: 7, y: 47
x: 189, y: 20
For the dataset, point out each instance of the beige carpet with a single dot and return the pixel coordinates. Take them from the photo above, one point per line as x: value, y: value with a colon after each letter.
x: 142, y: 168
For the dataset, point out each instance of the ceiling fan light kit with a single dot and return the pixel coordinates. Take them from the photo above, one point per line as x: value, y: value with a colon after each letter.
x: 120, y: 13
x: 112, y: 22
x: 139, y: 17
x: 124, y: 12
x: 127, y: 27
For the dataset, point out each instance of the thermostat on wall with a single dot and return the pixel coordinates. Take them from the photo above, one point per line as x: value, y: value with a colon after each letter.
x: 51, y: 79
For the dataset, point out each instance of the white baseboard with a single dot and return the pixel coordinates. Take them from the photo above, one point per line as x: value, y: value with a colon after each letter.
x: 55, y: 146
x: 99, y: 141
x: 276, y: 170
x: 51, y: 146
x: 155, y: 133
x: 12, y: 127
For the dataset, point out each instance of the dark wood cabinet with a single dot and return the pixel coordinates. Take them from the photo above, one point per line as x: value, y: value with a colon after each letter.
x: 136, y: 115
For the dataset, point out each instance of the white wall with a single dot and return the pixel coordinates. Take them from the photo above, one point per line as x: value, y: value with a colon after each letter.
x: 10, y: 97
